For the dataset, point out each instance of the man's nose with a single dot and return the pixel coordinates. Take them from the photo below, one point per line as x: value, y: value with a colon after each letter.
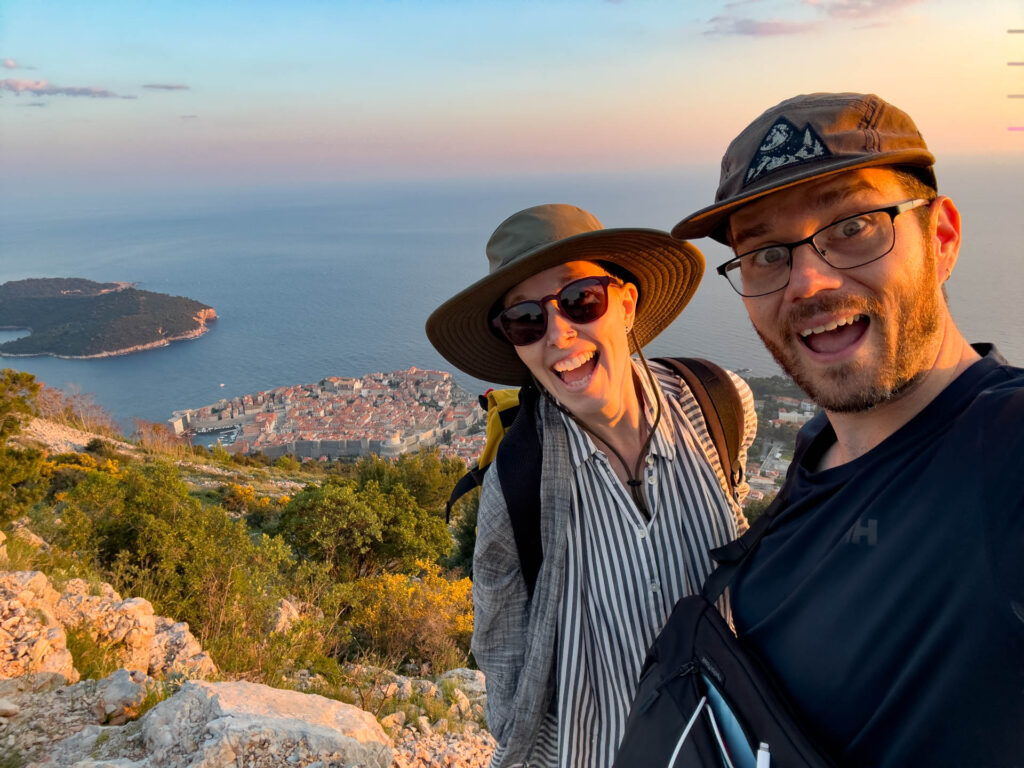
x: 810, y: 274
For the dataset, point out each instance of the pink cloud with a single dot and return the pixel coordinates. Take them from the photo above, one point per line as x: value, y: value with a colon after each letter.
x: 859, y: 9
x: 43, y: 88
x: 728, y: 25
x: 166, y: 87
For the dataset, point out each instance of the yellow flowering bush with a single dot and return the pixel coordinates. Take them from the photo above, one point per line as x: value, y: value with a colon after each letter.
x: 425, y: 618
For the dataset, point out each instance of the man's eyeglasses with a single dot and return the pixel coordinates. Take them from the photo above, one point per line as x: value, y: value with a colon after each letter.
x: 848, y: 243
x: 582, y: 301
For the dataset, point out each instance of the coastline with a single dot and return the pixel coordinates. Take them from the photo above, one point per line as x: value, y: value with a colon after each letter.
x: 203, y: 316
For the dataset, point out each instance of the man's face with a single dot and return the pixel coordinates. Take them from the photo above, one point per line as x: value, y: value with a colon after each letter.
x: 851, y: 338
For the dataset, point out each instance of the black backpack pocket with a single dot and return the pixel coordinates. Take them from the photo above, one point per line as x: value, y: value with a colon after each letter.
x: 703, y: 702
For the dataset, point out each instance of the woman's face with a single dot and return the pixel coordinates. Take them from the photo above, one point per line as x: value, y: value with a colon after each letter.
x: 585, y: 366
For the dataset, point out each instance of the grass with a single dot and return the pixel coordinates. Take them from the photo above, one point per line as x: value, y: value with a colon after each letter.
x: 93, y: 660
x: 155, y: 693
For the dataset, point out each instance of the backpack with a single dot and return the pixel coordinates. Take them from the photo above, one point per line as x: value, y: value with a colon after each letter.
x: 517, y: 448
x: 703, y: 700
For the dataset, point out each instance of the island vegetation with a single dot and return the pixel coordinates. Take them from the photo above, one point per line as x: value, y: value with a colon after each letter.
x: 73, y: 317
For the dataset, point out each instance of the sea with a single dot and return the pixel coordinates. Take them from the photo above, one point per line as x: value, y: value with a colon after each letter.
x: 310, y: 281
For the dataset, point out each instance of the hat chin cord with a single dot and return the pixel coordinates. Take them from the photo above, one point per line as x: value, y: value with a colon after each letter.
x: 635, y: 485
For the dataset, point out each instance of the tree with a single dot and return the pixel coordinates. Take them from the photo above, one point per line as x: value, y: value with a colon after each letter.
x: 23, y: 473
x: 754, y: 509
x: 23, y: 480
x: 362, y: 530
x: 158, y: 438
x: 464, y: 533
x: 18, y: 391
x: 424, y: 474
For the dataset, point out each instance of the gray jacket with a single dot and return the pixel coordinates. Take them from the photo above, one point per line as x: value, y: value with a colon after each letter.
x: 514, y: 644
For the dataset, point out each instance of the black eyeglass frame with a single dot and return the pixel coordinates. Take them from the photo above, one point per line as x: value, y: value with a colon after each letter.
x: 602, y: 280
x: 892, y: 210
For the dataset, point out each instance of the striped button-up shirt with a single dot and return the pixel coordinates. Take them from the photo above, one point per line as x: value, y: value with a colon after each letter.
x: 625, y: 572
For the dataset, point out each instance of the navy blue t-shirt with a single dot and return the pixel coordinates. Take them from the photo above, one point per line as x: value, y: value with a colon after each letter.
x: 888, y: 595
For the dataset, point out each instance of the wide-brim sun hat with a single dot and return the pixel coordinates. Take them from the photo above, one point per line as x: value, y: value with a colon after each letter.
x: 667, y: 272
x: 806, y: 138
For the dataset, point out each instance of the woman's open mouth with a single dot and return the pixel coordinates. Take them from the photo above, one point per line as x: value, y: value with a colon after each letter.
x: 575, y: 371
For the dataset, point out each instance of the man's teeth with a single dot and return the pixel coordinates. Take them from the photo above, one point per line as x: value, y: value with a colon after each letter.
x: 831, y: 326
x: 571, y: 363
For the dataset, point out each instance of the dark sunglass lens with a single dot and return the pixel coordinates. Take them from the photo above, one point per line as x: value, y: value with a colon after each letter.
x: 584, y: 301
x: 523, y: 323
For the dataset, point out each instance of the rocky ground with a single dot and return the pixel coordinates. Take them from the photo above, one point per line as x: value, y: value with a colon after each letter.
x: 160, y: 709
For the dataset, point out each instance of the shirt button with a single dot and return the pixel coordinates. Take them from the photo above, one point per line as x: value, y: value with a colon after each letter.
x: 655, y: 586
x: 650, y: 461
x: 641, y: 532
x: 651, y: 480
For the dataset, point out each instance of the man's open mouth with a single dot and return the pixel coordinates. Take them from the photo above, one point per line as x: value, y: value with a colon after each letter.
x: 576, y: 370
x: 835, y: 335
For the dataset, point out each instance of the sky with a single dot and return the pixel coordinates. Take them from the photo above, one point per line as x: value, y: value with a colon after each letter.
x: 139, y: 94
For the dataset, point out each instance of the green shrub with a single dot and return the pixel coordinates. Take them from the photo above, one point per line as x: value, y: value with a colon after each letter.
x: 18, y: 394
x: 24, y: 480
x: 464, y: 533
x: 102, y: 448
x: 362, y: 530
x: 424, y: 474
x: 143, y: 530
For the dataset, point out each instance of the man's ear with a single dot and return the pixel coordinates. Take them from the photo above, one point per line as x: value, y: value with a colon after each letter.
x: 944, y: 226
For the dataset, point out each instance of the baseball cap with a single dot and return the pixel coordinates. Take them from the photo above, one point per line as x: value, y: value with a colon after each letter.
x: 806, y: 138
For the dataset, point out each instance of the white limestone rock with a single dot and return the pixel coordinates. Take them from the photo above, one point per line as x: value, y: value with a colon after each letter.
x: 285, y: 615
x: 129, y: 625
x: 258, y: 725
x: 21, y: 532
x: 213, y: 725
x: 176, y: 650
x: 31, y: 639
x: 469, y: 681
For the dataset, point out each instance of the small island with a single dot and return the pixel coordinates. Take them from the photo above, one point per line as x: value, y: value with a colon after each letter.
x: 75, y: 318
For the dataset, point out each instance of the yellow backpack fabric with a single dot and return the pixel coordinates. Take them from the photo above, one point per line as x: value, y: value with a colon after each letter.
x: 499, y: 401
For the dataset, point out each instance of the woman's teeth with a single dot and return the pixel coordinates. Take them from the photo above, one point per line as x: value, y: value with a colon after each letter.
x: 571, y: 363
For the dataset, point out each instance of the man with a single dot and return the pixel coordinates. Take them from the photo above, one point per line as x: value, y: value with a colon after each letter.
x: 888, y: 593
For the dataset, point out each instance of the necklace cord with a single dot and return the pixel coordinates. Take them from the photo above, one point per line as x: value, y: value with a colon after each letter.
x: 635, y: 485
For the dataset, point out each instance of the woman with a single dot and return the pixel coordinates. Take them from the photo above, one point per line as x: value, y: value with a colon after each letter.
x: 632, y: 492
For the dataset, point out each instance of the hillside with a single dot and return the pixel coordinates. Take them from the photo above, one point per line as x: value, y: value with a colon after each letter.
x: 315, y: 602
x: 73, y: 317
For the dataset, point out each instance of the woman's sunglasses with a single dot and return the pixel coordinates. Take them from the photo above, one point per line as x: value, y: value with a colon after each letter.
x: 581, y: 301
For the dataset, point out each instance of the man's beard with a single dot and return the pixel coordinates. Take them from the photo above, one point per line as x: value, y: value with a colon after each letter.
x: 906, y: 336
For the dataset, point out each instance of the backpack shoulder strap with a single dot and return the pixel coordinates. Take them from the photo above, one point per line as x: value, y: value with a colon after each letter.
x: 721, y: 405
x: 519, y: 466
x: 473, y: 478
x: 731, y: 557
x: 501, y: 407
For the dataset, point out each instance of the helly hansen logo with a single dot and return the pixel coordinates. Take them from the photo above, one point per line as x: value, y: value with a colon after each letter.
x: 783, y: 145
x: 863, y: 532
